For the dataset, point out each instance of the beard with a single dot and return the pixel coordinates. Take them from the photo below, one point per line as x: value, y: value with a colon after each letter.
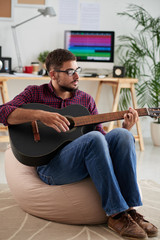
x: 68, y: 89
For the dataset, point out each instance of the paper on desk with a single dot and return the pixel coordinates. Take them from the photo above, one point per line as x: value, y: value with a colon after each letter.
x: 26, y: 75
x: 6, y: 75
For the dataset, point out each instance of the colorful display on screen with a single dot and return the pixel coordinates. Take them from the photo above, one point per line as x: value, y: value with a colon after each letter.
x: 91, y: 45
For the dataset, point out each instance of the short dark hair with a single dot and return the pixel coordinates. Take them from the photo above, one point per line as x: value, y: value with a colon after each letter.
x: 56, y: 58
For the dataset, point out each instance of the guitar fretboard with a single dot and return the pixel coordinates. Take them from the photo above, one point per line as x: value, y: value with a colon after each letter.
x: 105, y: 117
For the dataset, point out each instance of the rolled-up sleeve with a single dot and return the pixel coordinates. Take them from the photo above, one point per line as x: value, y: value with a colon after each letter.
x: 6, y: 109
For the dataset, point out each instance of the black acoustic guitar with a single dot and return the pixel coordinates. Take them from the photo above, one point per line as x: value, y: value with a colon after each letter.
x: 35, y: 144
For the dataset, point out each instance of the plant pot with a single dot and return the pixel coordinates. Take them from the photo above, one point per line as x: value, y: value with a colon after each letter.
x: 44, y: 66
x: 155, y: 133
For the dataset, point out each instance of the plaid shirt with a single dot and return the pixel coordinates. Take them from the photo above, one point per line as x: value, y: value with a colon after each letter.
x: 45, y: 94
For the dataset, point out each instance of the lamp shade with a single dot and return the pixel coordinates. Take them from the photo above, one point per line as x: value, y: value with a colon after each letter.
x: 48, y: 11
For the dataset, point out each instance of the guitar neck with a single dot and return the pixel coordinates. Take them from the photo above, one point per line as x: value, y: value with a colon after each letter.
x: 105, y: 117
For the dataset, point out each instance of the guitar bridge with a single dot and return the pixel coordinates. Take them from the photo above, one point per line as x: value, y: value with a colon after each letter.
x: 35, y: 131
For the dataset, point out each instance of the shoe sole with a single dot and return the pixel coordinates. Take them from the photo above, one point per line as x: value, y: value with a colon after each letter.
x: 152, y: 235
x: 132, y: 238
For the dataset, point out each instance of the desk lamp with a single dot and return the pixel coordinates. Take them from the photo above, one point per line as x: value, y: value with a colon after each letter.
x: 48, y: 11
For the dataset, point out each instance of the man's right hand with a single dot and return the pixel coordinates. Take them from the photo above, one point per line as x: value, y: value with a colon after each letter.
x: 56, y: 121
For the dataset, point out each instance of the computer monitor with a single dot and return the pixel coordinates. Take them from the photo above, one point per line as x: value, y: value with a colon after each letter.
x: 94, y: 49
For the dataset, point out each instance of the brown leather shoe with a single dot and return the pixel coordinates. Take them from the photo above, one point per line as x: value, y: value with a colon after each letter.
x: 148, y: 227
x: 126, y: 227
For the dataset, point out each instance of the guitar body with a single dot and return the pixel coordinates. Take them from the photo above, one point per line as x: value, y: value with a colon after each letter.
x: 34, y: 150
x: 32, y: 153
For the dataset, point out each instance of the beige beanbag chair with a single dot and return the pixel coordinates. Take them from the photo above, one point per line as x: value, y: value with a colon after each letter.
x: 76, y: 203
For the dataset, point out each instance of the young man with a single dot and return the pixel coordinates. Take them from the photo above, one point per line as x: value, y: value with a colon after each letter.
x: 109, y: 159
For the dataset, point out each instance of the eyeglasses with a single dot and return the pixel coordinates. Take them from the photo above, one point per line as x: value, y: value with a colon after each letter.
x: 71, y: 72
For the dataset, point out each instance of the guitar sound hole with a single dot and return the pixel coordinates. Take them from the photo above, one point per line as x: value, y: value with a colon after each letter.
x: 71, y: 122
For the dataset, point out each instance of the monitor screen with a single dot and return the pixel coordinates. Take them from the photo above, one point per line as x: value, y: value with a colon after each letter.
x: 91, y: 46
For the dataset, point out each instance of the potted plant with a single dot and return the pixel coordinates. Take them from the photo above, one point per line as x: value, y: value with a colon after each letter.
x: 140, y: 54
x: 42, y: 58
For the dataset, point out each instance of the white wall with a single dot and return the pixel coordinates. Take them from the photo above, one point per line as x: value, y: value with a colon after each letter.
x: 47, y: 34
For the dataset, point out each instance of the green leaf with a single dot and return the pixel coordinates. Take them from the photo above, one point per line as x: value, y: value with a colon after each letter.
x: 139, y: 52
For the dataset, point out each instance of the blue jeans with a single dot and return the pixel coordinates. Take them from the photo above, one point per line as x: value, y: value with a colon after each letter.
x: 109, y: 160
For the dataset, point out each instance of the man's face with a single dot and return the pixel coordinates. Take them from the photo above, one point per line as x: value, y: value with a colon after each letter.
x: 65, y: 80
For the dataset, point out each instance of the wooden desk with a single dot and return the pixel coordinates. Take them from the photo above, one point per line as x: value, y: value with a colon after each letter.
x: 116, y: 83
x: 5, y: 98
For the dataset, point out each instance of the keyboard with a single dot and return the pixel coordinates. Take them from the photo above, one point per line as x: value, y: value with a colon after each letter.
x: 88, y: 74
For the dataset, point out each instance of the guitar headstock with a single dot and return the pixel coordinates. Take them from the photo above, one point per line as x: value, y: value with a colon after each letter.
x: 154, y: 112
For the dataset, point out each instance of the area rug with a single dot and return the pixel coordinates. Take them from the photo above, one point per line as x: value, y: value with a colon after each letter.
x: 15, y: 224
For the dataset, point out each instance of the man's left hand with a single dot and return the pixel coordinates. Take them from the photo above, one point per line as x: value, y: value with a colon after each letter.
x: 130, y: 118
